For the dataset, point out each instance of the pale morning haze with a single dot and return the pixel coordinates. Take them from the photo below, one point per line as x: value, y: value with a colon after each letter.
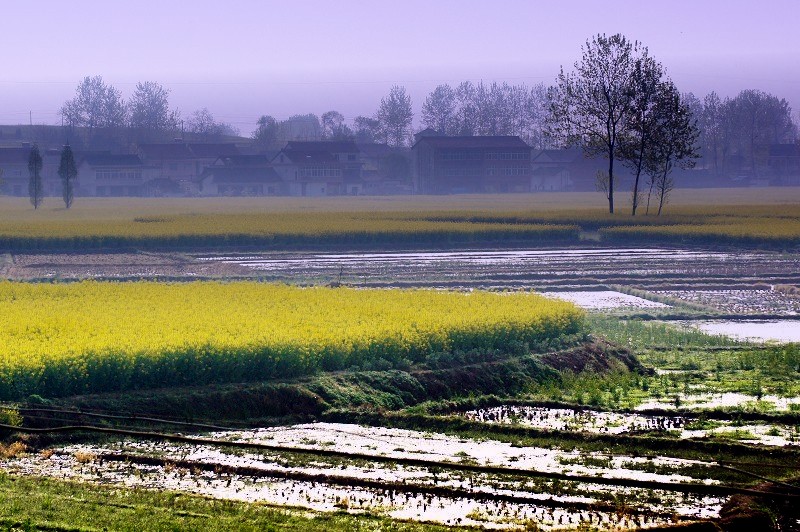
x: 242, y: 59
x: 400, y: 265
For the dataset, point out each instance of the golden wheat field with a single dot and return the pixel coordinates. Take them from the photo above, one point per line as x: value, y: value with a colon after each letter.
x: 58, y: 339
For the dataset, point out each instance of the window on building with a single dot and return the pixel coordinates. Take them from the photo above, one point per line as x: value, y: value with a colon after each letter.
x: 507, y: 155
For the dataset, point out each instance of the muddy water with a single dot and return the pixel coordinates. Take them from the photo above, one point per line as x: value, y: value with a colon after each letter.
x: 565, y: 505
x: 520, y: 268
x: 753, y: 331
x: 604, y: 300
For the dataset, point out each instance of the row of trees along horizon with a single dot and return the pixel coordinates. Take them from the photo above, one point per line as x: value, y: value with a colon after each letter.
x: 618, y: 102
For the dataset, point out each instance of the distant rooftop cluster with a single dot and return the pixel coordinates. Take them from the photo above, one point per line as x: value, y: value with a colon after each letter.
x: 434, y: 164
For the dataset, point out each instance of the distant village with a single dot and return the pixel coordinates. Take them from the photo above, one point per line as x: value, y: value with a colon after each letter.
x: 434, y: 164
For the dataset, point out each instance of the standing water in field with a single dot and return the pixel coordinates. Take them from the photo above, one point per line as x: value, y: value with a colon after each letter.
x: 400, y: 490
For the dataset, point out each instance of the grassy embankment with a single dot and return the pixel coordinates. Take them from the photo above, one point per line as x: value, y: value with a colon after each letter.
x: 729, y: 216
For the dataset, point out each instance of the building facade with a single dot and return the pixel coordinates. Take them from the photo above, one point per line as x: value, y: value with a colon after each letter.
x: 320, y: 168
x: 106, y: 174
x: 470, y: 165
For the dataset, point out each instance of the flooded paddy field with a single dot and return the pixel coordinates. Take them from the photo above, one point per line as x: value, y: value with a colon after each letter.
x: 640, y: 267
x: 605, y: 300
x: 723, y: 400
x: 693, y: 365
x: 670, y: 269
x: 754, y: 301
x: 449, y: 492
x: 683, y: 426
x: 749, y: 331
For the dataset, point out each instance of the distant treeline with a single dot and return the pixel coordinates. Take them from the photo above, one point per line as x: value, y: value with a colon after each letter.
x: 735, y: 133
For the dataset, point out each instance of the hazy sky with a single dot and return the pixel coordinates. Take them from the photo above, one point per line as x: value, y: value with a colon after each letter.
x: 245, y: 58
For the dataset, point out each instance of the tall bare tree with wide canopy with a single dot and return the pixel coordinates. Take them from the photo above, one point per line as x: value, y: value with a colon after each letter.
x: 395, y: 115
x: 591, y: 106
x: 149, y: 112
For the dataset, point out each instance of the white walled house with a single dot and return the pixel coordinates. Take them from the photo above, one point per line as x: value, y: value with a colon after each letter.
x: 107, y: 174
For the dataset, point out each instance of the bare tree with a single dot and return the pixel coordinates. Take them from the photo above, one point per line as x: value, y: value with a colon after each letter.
x: 537, y: 108
x: 636, y: 145
x: 149, y: 112
x: 95, y: 105
x: 366, y: 129
x: 591, y: 106
x: 333, y: 126
x: 675, y: 137
x: 439, y: 109
x: 266, y: 134
x: 203, y: 124
x: 711, y: 128
x: 761, y: 119
x: 395, y: 115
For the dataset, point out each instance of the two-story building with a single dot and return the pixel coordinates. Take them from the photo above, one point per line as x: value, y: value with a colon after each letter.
x: 320, y: 168
x: 183, y: 163
x: 14, y: 174
x: 470, y: 165
x: 240, y: 175
x: 107, y: 174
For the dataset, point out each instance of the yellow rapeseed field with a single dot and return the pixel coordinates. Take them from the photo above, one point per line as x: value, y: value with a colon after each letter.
x: 59, y: 339
x: 734, y: 215
x: 298, y: 228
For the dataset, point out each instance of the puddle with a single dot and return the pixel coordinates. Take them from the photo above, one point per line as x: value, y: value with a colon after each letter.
x: 604, y: 299
x: 753, y: 331
x: 723, y: 400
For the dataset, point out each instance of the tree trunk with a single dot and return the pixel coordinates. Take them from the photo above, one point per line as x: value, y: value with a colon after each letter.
x: 611, y: 180
x: 663, y: 190
x: 649, y: 194
x: 638, y: 174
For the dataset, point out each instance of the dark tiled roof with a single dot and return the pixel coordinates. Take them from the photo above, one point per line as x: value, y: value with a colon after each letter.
x: 492, y: 142
x: 218, y: 149
x: 112, y: 159
x: 167, y: 150
x: 245, y: 160
x: 332, y: 146
x: 241, y: 174
x: 375, y: 150
x: 306, y: 156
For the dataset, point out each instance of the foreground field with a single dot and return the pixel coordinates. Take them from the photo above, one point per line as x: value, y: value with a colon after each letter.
x: 620, y: 420
x: 91, y: 337
x: 738, y: 216
x: 42, y: 504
